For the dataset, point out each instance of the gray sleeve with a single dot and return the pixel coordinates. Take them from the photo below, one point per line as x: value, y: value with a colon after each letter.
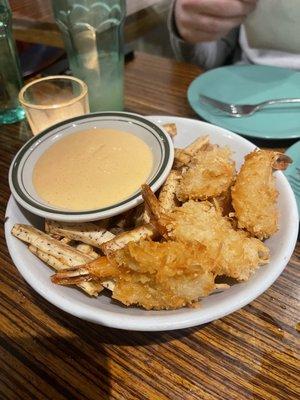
x: 207, y: 55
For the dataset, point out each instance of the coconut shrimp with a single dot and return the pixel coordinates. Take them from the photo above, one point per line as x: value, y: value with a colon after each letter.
x: 209, y: 174
x: 235, y: 253
x: 150, y: 274
x: 254, y: 195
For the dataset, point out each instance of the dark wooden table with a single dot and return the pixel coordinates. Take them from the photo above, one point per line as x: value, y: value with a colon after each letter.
x: 48, y: 354
x: 33, y: 21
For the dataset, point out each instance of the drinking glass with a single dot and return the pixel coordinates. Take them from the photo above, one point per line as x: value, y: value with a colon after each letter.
x: 53, y: 99
x: 92, y: 31
x: 10, y: 73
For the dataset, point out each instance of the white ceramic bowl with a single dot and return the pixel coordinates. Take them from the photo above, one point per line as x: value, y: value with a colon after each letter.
x: 21, y: 170
x: 106, y: 312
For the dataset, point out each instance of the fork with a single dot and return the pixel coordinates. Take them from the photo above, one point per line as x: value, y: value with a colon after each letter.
x: 243, y: 110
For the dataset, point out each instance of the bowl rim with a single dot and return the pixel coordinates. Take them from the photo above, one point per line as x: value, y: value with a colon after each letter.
x: 47, y: 211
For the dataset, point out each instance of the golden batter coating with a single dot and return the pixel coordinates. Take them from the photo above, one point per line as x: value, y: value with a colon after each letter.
x: 236, y: 254
x: 209, y: 174
x: 254, y: 195
x: 150, y: 274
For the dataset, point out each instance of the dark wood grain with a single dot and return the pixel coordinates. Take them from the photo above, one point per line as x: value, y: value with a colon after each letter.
x: 33, y: 22
x: 48, y: 354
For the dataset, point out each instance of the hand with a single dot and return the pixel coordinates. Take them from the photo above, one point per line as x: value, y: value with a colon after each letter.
x: 208, y: 20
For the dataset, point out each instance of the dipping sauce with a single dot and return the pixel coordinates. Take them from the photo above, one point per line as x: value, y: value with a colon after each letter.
x: 92, y: 169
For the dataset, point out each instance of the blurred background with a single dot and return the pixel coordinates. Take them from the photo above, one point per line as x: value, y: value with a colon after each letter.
x: 36, y: 33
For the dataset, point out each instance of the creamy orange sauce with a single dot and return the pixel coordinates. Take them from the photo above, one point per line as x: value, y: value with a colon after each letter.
x: 92, y: 169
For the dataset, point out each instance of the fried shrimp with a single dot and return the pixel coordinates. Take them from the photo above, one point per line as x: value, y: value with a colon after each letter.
x: 236, y: 254
x: 223, y: 202
x: 153, y: 275
x: 209, y: 174
x: 254, y: 195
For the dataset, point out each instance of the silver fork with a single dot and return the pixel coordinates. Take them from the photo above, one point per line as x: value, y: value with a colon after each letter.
x: 243, y: 110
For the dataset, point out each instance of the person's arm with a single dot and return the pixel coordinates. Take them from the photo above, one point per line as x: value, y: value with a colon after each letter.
x: 205, y: 32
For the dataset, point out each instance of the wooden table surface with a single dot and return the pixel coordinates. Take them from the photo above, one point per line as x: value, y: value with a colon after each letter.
x: 47, y: 354
x: 33, y: 21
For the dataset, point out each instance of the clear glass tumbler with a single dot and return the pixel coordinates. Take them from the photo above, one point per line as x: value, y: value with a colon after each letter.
x: 10, y: 75
x: 53, y: 99
x: 93, y: 35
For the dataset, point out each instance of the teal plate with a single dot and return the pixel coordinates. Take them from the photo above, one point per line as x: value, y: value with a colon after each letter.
x: 293, y: 171
x: 243, y: 84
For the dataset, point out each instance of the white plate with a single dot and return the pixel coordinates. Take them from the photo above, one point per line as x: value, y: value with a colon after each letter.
x: 105, y: 312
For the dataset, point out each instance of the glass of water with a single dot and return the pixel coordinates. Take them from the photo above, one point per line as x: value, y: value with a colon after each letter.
x: 93, y: 36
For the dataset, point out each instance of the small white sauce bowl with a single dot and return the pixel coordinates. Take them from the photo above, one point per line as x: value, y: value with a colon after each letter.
x: 21, y: 169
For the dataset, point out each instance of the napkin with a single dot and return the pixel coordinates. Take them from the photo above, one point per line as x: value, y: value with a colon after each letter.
x: 275, y: 25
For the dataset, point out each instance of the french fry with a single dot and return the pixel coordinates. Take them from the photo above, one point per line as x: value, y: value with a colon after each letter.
x: 82, y: 247
x: 102, y: 223
x: 142, y: 218
x: 49, y: 260
x: 183, y: 156
x: 110, y: 285
x: 135, y: 235
x: 170, y: 129
x: 146, y: 217
x: 64, y: 240
x: 167, y: 197
x: 197, y: 145
x: 88, y: 233
x: 126, y: 220
x: 57, y: 237
x: 87, y: 249
x: 91, y: 288
x: 222, y: 286
x: 45, y: 243
x: 116, y: 230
